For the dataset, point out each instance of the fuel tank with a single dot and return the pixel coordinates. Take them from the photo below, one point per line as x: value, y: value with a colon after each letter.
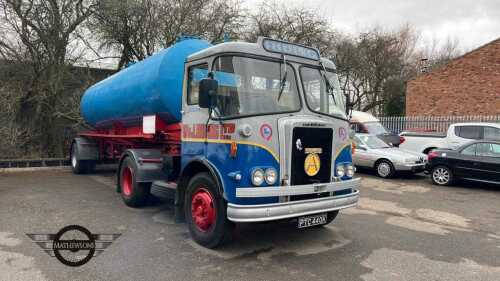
x: 151, y: 86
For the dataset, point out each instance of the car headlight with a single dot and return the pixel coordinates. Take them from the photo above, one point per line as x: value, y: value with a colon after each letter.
x: 340, y: 170
x: 349, y: 170
x: 271, y: 176
x: 257, y: 177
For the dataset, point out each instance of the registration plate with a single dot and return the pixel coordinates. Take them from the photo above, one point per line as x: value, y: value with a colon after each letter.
x: 308, y: 221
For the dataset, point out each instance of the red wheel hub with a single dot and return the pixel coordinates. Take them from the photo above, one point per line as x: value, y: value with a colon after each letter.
x: 127, y: 185
x: 202, y: 209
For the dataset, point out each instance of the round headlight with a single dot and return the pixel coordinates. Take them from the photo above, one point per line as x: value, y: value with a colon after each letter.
x: 340, y: 171
x: 257, y: 177
x: 271, y: 176
x: 349, y: 170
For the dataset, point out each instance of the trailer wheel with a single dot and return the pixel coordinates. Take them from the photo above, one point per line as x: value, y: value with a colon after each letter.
x: 205, y: 212
x: 133, y: 193
x: 79, y: 166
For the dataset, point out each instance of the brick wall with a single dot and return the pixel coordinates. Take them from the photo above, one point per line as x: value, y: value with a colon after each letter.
x: 468, y: 85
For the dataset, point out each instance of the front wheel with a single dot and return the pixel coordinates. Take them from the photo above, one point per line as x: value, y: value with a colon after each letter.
x: 134, y: 194
x: 385, y: 169
x: 441, y: 175
x: 205, y: 212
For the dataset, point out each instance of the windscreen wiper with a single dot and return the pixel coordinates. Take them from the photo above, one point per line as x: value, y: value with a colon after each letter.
x: 283, y: 80
x: 329, y: 87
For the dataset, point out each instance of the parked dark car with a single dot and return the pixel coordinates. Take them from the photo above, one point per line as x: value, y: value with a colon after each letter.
x: 477, y: 161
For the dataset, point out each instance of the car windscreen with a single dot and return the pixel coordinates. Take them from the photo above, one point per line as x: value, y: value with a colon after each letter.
x: 372, y: 142
x: 375, y: 128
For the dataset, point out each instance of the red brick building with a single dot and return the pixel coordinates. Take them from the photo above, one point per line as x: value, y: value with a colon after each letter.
x: 467, y: 85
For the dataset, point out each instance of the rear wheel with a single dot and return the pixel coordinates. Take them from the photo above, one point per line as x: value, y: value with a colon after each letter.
x: 79, y: 166
x: 205, y: 212
x: 441, y: 175
x: 385, y: 169
x: 133, y: 193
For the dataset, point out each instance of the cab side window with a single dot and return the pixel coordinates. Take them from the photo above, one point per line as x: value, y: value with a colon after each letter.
x: 195, y: 74
x: 469, y: 132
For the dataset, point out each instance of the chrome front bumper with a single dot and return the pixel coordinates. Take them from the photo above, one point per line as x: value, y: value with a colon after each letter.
x: 291, y: 209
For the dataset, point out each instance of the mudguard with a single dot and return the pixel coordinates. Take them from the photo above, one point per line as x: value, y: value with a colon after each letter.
x: 87, y: 148
x: 150, y: 164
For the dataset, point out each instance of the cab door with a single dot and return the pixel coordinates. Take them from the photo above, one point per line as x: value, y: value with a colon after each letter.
x: 194, y: 118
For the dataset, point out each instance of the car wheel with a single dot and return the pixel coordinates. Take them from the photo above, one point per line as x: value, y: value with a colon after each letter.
x: 441, y: 175
x: 205, y: 212
x: 385, y: 169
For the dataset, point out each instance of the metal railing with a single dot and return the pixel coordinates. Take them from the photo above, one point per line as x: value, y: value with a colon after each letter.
x: 399, y: 124
x: 32, y: 163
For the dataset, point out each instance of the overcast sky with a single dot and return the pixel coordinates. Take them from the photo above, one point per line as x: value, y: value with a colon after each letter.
x: 472, y: 22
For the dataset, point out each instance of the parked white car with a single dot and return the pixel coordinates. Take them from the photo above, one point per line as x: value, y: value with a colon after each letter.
x: 373, y: 153
x: 457, y: 135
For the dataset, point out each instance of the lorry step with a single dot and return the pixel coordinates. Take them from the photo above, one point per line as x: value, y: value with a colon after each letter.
x: 162, y: 189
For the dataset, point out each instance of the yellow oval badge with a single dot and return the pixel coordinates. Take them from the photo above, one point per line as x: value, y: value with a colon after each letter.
x: 312, y: 164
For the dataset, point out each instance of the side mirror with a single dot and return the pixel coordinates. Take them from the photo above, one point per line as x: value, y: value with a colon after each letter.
x: 207, y: 89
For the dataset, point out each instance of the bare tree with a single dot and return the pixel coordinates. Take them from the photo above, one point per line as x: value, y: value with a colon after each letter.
x: 138, y: 28
x: 294, y: 24
x: 436, y: 53
x: 374, y: 67
x: 37, y: 35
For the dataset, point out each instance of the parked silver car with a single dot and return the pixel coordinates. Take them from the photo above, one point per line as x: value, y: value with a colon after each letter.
x: 372, y: 152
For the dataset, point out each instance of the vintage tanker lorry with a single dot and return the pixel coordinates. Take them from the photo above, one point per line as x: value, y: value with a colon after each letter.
x: 237, y: 132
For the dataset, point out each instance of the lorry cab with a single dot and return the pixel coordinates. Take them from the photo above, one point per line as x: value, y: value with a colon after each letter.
x: 260, y: 134
x: 277, y: 134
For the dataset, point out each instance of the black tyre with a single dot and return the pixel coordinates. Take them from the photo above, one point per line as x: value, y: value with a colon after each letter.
x: 134, y: 194
x: 441, y: 175
x: 385, y: 169
x: 205, y: 212
x: 79, y: 166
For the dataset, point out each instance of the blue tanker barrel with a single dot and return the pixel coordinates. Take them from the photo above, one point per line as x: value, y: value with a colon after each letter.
x: 151, y: 86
